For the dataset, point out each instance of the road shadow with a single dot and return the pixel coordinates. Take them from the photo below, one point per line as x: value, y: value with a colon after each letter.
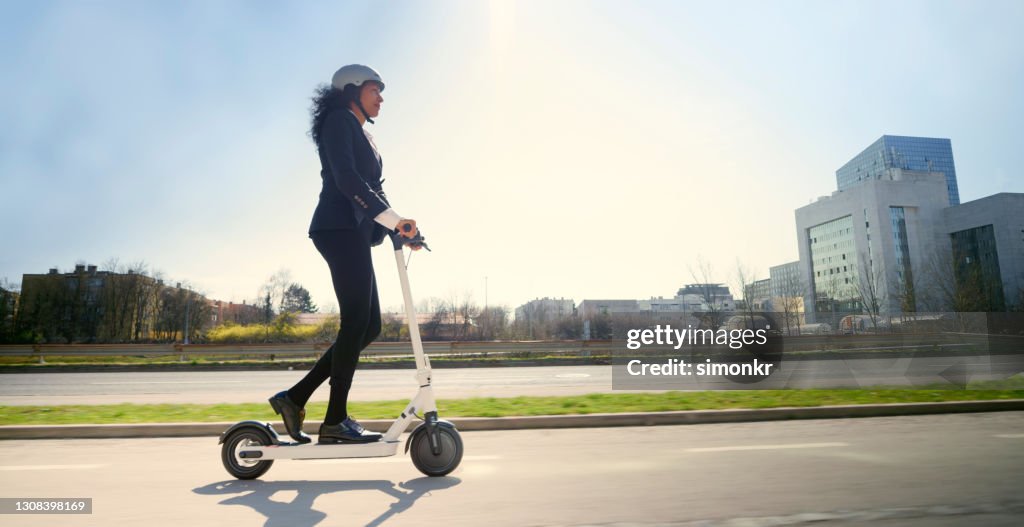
x: 300, y: 512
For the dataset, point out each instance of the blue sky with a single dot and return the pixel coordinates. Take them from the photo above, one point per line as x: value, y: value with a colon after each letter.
x: 567, y: 149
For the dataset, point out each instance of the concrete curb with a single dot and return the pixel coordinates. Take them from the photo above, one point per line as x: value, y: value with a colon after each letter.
x: 533, y: 422
x: 303, y: 365
x: 441, y: 362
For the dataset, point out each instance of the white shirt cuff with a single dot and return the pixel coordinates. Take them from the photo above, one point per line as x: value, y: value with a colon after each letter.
x: 389, y: 218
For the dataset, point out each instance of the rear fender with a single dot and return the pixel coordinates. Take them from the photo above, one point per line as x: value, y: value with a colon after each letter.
x: 251, y: 424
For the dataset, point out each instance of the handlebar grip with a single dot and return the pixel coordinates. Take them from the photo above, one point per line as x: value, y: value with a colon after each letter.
x: 399, y: 241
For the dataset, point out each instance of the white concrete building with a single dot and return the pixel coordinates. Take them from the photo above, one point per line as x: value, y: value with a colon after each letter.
x: 589, y: 308
x: 676, y: 304
x: 881, y: 232
x: 542, y: 309
x: 717, y: 295
x: 759, y: 292
x: 787, y: 280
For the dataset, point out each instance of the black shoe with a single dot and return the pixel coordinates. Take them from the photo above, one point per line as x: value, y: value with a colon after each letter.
x: 347, y: 431
x: 291, y: 414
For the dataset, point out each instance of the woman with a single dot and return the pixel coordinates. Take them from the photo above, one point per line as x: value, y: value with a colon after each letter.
x: 351, y: 216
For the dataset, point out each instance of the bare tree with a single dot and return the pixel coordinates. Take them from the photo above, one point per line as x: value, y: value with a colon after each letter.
x: 452, y: 325
x: 168, y: 314
x: 493, y: 322
x: 115, y: 304
x: 958, y: 284
x: 181, y: 311
x: 832, y: 293
x: 905, y: 293
x: 390, y: 327
x: 272, y: 292
x: 124, y: 301
x: 43, y: 312
x: 199, y: 313
x: 793, y: 292
x: 536, y: 321
x: 714, y: 316
x: 746, y: 278
x: 469, y: 314
x: 147, y: 306
x: 871, y: 288
x: 568, y: 327
x: 8, y: 309
x: 601, y: 326
x: 438, y: 311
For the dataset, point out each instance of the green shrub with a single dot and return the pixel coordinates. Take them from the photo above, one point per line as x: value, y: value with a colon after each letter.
x: 282, y: 329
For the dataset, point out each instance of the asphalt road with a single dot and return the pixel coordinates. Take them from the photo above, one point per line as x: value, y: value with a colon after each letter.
x: 931, y: 470
x: 257, y: 386
x: 379, y: 384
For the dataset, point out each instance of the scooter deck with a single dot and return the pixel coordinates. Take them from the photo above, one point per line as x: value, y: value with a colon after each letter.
x: 380, y: 448
x: 422, y: 403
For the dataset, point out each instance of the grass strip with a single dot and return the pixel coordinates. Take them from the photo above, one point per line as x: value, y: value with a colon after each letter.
x: 33, y: 363
x: 514, y: 406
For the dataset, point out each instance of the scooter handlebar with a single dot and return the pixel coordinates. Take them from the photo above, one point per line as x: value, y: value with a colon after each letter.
x: 399, y: 241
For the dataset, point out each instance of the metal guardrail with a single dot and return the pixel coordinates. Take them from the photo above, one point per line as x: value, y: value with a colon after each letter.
x: 991, y: 343
x: 297, y: 349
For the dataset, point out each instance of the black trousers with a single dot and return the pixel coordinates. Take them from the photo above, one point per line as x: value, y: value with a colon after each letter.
x: 347, y: 253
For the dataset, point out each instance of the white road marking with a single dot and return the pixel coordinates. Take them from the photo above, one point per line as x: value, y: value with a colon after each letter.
x: 398, y: 459
x: 165, y: 382
x: 48, y: 467
x: 766, y: 447
x: 1011, y: 436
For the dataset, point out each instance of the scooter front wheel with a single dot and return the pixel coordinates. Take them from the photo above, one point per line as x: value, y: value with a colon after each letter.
x: 436, y: 465
x: 245, y: 468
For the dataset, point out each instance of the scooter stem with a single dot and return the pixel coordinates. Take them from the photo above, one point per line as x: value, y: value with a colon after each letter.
x: 422, y: 361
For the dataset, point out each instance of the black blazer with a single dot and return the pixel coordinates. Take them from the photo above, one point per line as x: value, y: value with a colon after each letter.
x: 351, y: 195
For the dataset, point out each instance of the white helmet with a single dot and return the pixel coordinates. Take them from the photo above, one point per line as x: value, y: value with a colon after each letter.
x: 355, y: 74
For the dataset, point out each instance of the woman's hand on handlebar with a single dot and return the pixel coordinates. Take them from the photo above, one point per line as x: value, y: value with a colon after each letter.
x: 407, y: 228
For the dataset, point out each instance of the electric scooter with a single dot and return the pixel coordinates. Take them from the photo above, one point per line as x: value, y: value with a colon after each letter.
x: 251, y: 447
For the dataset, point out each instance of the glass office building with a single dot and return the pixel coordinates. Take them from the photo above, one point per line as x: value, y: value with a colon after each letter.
x: 904, y: 274
x: 833, y: 266
x: 924, y: 154
x: 976, y: 267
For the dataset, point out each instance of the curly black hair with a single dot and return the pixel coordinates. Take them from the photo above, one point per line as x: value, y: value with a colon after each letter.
x: 326, y: 99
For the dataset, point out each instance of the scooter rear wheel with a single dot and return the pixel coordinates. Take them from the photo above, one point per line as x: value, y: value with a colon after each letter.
x: 425, y: 460
x: 245, y: 468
